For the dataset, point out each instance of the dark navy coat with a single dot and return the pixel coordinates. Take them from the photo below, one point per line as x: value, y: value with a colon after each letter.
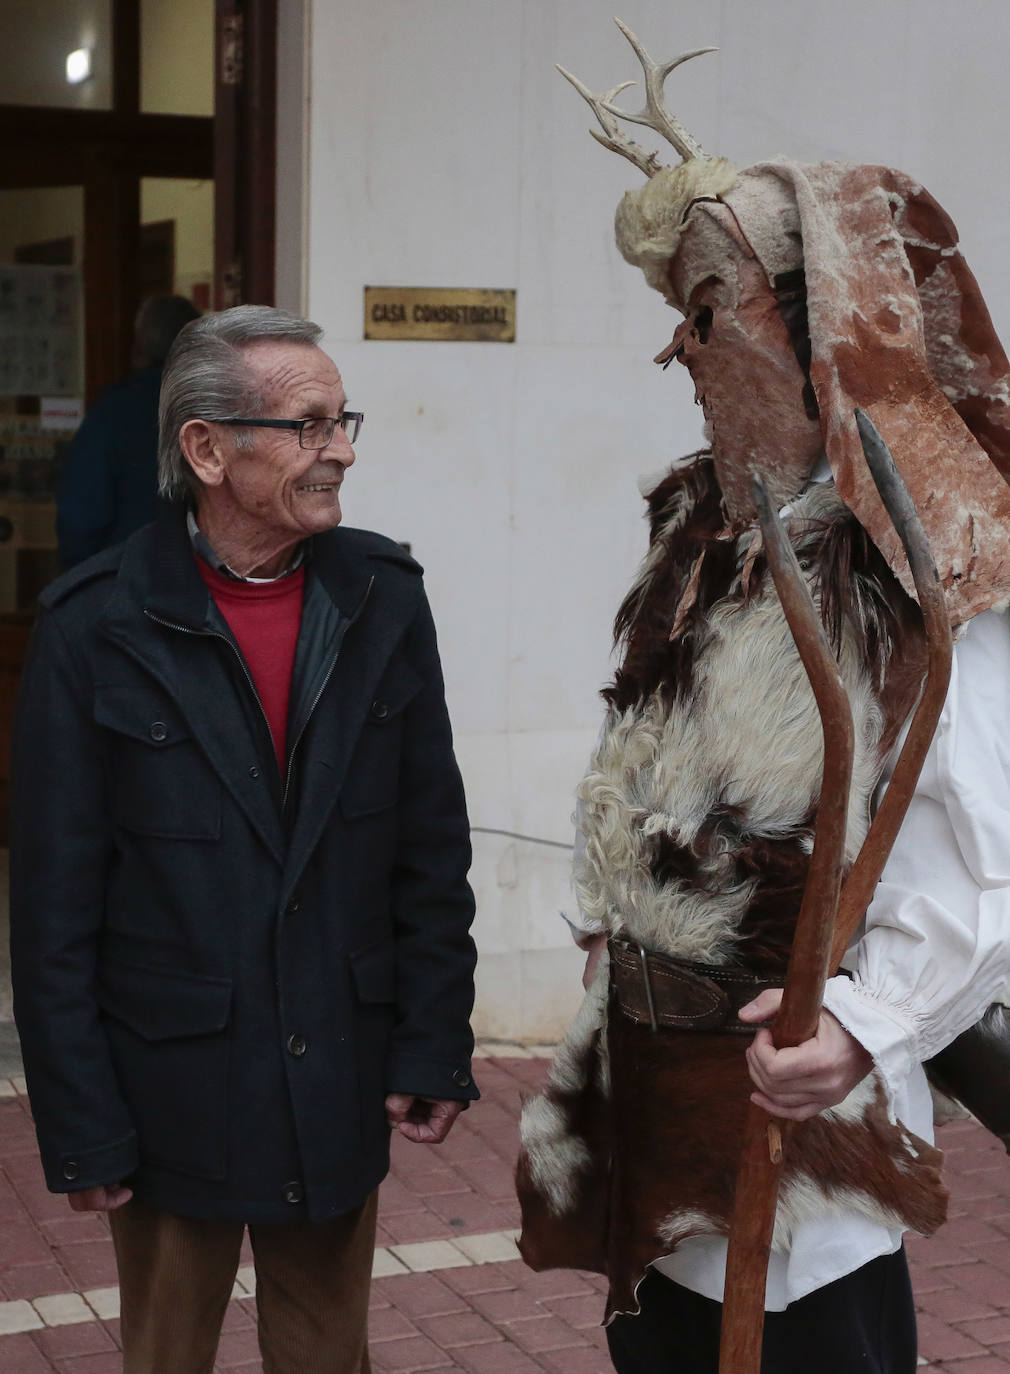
x: 109, y: 486
x: 219, y: 974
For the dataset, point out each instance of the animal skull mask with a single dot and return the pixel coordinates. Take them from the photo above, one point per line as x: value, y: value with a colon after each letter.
x: 808, y: 291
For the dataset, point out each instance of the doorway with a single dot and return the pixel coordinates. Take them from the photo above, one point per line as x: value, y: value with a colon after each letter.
x: 137, y: 157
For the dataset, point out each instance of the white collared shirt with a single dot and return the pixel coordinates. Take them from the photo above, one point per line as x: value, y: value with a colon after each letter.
x: 202, y: 546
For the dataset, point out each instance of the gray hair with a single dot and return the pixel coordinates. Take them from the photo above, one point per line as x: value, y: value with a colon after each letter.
x: 206, y: 377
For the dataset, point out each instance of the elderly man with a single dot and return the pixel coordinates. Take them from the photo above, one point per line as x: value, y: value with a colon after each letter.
x: 240, y: 847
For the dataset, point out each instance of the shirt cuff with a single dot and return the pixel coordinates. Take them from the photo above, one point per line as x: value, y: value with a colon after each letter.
x: 883, y: 1031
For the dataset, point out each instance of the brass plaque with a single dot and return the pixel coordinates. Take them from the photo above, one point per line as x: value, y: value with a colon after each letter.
x: 420, y: 312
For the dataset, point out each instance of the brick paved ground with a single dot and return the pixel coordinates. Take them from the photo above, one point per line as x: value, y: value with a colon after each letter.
x: 447, y: 1297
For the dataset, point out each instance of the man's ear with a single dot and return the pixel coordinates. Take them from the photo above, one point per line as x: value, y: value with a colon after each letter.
x: 203, y: 452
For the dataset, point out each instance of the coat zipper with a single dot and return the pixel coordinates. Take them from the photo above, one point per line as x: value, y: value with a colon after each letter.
x: 315, y: 700
x: 214, y: 634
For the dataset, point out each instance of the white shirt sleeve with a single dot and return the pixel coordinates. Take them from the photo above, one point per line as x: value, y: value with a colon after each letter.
x: 935, y: 950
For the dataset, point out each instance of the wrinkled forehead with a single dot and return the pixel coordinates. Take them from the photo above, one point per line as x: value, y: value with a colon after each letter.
x: 292, y: 372
x: 740, y: 245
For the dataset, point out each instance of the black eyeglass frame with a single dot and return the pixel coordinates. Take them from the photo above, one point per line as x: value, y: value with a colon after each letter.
x: 355, y: 418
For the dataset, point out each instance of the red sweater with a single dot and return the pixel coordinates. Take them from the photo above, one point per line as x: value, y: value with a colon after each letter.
x: 265, y: 618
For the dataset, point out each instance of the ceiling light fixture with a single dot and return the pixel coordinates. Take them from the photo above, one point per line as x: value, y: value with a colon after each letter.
x: 78, y: 66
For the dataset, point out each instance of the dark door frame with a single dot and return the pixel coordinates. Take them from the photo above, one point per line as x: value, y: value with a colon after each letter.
x: 245, y: 152
x: 108, y: 151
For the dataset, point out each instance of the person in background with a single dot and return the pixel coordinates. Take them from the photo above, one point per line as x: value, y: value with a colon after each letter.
x: 109, y: 487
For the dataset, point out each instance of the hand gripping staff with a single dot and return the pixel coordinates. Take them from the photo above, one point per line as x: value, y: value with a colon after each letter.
x: 830, y: 911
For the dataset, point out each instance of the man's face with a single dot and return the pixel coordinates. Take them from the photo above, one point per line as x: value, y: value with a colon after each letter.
x: 276, y: 487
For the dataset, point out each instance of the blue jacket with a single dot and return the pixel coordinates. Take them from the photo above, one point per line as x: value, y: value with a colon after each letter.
x: 219, y: 974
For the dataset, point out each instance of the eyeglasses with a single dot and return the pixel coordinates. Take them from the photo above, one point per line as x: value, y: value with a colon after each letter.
x: 314, y: 433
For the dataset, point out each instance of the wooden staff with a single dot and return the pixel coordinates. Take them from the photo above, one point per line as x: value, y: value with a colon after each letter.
x: 868, y: 864
x: 761, y: 1159
x: 826, y: 923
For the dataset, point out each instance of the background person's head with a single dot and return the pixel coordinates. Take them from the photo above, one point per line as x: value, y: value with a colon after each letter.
x: 157, y: 323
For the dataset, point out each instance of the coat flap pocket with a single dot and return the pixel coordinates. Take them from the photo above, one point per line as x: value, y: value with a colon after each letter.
x: 159, y: 1004
x: 399, y: 685
x: 373, y: 778
x: 141, y: 714
x: 374, y: 972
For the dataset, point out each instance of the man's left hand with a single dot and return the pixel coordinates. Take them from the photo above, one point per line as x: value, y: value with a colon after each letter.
x: 424, y: 1120
x: 801, y: 1081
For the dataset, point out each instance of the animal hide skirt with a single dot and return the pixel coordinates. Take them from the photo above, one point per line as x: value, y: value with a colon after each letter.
x: 634, y: 1146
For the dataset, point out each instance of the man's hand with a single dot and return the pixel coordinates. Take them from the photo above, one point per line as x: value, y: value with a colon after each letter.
x: 101, y: 1199
x: 424, y: 1120
x: 800, y: 1082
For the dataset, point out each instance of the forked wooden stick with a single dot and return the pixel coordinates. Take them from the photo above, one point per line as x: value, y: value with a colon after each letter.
x: 761, y: 1159
x: 765, y: 1140
x: 868, y: 865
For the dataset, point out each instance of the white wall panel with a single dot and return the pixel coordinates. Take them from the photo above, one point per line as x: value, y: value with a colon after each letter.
x: 434, y: 470
x: 446, y: 151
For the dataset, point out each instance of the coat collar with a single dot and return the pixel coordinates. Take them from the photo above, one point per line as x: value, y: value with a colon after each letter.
x: 161, y: 573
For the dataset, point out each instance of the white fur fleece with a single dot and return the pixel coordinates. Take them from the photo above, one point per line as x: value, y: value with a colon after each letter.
x: 650, y: 219
x: 749, y: 737
x: 800, y: 1200
x: 554, y: 1154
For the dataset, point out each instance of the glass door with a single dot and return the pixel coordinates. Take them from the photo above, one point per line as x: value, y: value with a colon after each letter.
x: 41, y: 376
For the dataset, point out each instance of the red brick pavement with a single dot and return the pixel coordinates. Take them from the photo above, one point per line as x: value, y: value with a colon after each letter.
x: 491, y: 1318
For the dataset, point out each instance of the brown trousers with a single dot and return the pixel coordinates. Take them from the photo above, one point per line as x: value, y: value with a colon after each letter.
x: 312, y: 1281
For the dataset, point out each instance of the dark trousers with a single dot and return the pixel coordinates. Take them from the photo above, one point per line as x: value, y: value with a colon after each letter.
x: 863, y: 1323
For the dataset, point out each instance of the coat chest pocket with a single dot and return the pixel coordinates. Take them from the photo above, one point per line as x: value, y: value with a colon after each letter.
x: 169, y: 1036
x: 373, y: 778
x: 161, y: 784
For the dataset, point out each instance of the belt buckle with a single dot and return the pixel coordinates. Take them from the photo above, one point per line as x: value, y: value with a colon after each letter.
x: 648, y: 988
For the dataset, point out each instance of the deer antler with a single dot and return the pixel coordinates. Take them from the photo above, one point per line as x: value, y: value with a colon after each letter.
x: 613, y: 137
x: 655, y: 114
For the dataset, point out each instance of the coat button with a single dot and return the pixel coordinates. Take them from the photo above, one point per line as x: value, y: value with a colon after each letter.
x: 293, y: 1192
x: 380, y: 710
x: 293, y: 906
x: 159, y: 731
x: 254, y: 772
x: 461, y: 1078
x: 71, y: 1170
x: 297, y: 1045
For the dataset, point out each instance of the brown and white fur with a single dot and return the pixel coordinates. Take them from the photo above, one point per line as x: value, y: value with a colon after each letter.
x: 698, y: 810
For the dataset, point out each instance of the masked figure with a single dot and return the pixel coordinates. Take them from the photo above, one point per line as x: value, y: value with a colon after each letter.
x: 806, y: 291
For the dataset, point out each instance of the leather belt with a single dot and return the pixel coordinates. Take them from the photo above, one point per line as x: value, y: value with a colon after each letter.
x: 657, y: 990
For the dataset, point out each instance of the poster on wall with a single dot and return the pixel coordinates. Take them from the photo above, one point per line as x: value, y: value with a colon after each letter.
x: 40, y: 319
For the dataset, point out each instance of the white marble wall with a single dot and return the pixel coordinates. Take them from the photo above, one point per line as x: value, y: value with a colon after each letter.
x: 443, y: 150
